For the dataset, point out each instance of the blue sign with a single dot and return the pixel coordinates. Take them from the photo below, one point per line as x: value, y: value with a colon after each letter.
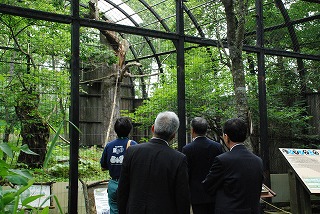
x: 300, y: 151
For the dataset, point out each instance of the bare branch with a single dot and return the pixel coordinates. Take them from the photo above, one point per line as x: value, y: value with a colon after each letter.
x: 85, y: 195
x: 62, y: 138
x: 126, y: 68
x: 140, y: 76
x: 99, y: 79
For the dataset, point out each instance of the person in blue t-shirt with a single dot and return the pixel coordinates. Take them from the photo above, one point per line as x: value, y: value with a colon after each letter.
x: 112, y: 158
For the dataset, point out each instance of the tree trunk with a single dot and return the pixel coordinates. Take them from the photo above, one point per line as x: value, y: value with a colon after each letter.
x: 34, y: 131
x: 110, y: 90
x: 235, y: 16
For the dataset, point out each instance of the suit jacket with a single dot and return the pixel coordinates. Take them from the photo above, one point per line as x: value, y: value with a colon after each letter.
x: 200, y: 155
x: 236, y: 178
x: 154, y: 179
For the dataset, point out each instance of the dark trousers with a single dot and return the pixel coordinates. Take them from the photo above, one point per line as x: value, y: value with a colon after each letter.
x: 203, y: 208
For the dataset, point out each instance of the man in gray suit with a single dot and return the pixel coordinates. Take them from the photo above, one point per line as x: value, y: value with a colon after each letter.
x: 235, y: 177
x: 154, y: 177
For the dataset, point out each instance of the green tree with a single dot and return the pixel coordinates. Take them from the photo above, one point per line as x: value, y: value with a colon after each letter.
x: 208, y: 91
x: 31, y: 44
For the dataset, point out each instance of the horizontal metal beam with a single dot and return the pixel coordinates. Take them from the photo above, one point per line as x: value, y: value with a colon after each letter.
x: 66, y: 19
x: 202, y: 41
x: 253, y: 49
x: 291, y: 54
x: 159, y: 54
x: 128, y: 29
x: 34, y: 14
x: 275, y: 52
x: 284, y: 25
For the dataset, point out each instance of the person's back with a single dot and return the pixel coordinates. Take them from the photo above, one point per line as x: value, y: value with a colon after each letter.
x: 200, y: 155
x: 154, y: 177
x: 235, y: 177
x: 242, y: 187
x: 112, y: 158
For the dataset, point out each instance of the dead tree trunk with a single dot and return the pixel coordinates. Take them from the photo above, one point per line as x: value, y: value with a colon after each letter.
x: 110, y: 90
x: 111, y: 86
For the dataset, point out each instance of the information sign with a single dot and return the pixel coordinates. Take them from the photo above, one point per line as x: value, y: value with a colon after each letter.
x: 306, y: 164
x: 101, y: 201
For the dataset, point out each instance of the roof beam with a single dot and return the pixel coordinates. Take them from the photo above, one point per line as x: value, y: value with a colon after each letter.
x: 293, y: 22
x: 66, y: 19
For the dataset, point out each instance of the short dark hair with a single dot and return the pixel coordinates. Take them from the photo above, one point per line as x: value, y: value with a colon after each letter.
x: 199, y: 125
x: 123, y: 126
x: 236, y: 129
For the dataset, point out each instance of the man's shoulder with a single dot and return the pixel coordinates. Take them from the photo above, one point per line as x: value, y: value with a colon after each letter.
x: 142, y: 145
x: 151, y: 147
x: 113, y: 142
x: 257, y: 157
x: 202, y: 141
x: 239, y: 154
x: 216, y: 146
x: 188, y: 145
x: 206, y: 140
x: 134, y: 144
x: 226, y: 155
x: 214, y: 142
x: 175, y: 154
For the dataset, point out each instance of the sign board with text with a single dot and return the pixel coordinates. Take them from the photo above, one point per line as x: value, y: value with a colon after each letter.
x: 306, y: 164
x: 101, y: 201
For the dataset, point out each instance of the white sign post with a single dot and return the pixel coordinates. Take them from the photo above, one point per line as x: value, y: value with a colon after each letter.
x: 304, y: 177
x: 306, y: 164
x: 101, y: 201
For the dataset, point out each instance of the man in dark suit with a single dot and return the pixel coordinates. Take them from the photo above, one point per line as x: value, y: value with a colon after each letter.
x: 154, y: 177
x: 236, y: 176
x: 200, y: 155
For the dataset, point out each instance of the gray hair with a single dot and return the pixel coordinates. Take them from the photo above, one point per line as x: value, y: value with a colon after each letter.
x: 166, y: 124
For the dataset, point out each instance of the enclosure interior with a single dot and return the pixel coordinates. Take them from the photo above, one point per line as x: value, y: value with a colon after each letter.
x: 177, y: 60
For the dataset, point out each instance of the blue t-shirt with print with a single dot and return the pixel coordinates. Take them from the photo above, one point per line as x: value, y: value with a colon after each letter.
x: 113, y: 154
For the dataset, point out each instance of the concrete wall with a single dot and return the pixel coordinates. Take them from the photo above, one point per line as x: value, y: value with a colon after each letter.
x: 280, y: 185
x: 60, y: 190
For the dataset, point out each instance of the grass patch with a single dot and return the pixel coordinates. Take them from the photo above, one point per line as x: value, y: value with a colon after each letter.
x: 58, y: 165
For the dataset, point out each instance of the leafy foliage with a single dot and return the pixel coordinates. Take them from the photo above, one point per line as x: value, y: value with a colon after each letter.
x: 209, y: 84
x: 22, y: 179
x: 92, y: 53
x: 208, y: 91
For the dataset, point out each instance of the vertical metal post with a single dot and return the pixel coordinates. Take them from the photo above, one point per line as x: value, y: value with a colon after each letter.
x: 74, y: 109
x: 262, y: 93
x: 180, y: 75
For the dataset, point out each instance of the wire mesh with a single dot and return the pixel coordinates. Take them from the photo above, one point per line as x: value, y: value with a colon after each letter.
x: 35, y: 56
